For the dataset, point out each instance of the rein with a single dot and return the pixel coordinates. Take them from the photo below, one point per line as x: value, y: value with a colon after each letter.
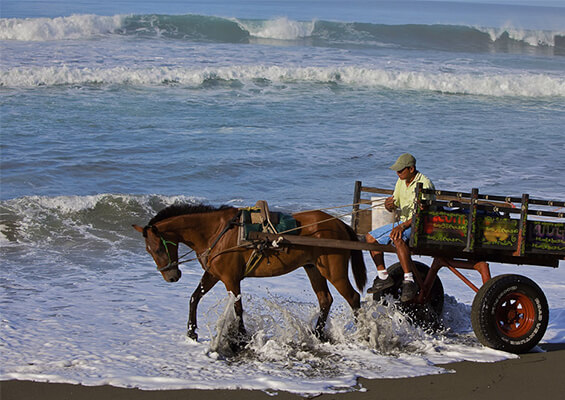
x: 233, y: 222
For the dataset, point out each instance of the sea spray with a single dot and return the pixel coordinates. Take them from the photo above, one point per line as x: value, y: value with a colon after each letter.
x: 279, y: 28
x: 224, y: 341
x: 281, y: 333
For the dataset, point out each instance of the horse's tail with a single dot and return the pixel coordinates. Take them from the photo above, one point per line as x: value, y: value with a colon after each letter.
x: 357, y: 262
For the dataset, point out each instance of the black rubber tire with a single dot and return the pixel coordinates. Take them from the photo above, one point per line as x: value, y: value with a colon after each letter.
x: 428, y: 314
x: 510, y: 313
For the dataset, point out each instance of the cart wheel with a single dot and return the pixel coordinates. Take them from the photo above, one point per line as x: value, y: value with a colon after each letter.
x: 510, y: 313
x: 426, y: 314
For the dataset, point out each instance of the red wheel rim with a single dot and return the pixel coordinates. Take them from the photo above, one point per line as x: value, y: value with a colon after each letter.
x: 515, y: 315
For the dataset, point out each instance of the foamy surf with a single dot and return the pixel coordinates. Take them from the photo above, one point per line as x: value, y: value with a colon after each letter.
x: 452, y: 82
x: 282, y: 353
x: 60, y: 28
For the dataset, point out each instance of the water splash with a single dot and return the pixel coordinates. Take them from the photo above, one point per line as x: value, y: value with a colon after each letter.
x: 282, y: 339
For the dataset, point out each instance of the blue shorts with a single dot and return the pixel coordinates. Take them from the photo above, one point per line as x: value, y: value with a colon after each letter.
x: 382, y: 234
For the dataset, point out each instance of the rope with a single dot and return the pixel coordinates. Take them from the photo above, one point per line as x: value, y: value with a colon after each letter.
x: 207, y: 251
x: 329, y: 208
x: 376, y: 204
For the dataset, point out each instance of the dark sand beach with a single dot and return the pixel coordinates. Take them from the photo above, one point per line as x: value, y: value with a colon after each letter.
x: 533, y: 375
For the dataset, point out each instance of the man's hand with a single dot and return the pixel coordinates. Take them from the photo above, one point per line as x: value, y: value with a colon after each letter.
x: 389, y: 204
x: 396, y: 232
x: 399, y: 229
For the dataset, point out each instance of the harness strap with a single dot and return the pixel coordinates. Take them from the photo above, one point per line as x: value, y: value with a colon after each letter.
x: 233, y: 222
x: 254, y: 260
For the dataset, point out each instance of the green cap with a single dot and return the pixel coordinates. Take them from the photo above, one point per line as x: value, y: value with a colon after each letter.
x: 405, y: 160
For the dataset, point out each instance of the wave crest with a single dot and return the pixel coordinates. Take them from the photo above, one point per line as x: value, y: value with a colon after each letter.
x: 527, y: 85
x: 73, y: 27
x: 232, y: 30
x: 279, y: 28
x: 44, y: 219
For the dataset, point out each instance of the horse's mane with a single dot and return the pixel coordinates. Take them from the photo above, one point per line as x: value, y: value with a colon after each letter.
x: 182, y: 209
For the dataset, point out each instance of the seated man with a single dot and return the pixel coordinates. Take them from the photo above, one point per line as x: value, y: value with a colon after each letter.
x: 402, y: 201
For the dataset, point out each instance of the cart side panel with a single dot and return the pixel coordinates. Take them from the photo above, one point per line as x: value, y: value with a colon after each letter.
x: 494, y: 233
x: 545, y: 237
x: 450, y: 229
x: 499, y: 233
x: 442, y: 229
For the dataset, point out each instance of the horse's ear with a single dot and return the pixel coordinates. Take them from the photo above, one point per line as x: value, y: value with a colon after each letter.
x: 138, y: 228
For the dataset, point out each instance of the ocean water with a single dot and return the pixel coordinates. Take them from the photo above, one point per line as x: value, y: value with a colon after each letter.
x: 111, y: 111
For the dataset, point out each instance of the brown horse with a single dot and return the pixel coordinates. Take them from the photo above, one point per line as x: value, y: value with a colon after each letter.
x: 210, y: 232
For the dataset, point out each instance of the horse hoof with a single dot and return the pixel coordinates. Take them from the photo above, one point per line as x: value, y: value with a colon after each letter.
x: 238, y: 346
x: 321, y: 336
x: 239, y: 342
x: 192, y: 335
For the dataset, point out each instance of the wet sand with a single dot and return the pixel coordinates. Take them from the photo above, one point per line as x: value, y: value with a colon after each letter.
x: 533, y: 375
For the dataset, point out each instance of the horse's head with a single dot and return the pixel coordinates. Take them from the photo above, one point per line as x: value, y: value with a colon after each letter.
x: 164, y: 252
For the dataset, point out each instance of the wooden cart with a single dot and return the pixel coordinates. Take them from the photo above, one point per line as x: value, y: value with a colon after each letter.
x: 467, y: 231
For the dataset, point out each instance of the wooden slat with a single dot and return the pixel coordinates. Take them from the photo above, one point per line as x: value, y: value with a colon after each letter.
x: 376, y: 190
x: 484, y: 200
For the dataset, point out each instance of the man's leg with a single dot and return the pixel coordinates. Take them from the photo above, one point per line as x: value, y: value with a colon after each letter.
x: 409, y: 287
x: 382, y: 281
x: 377, y: 256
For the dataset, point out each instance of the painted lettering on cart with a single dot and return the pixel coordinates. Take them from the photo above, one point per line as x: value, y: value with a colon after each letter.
x: 445, y: 227
x: 546, y: 235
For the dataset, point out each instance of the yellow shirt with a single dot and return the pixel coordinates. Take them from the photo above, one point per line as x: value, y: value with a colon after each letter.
x: 404, y: 196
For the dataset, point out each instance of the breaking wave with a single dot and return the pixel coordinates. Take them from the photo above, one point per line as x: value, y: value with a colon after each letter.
x: 526, y: 85
x: 233, y: 30
x: 61, y: 28
x: 101, y: 218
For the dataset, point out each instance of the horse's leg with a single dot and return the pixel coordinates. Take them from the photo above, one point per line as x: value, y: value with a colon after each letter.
x: 207, y: 282
x: 235, y: 289
x: 334, y: 267
x: 240, y: 340
x: 320, y: 286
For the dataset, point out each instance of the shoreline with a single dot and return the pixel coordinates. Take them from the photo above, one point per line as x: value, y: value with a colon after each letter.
x: 533, y: 374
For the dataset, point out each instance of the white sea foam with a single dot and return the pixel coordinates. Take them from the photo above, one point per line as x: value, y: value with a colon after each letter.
x: 134, y: 338
x: 492, y: 84
x: 72, y: 27
x: 75, y: 204
x: 279, y: 28
x: 532, y: 37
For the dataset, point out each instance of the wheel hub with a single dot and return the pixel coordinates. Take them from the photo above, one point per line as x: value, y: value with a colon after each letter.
x: 515, y: 315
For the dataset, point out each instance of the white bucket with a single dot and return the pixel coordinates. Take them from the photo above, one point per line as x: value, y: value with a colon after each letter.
x: 380, y: 216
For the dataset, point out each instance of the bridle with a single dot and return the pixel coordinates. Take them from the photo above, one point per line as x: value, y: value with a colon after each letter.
x: 174, y: 264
